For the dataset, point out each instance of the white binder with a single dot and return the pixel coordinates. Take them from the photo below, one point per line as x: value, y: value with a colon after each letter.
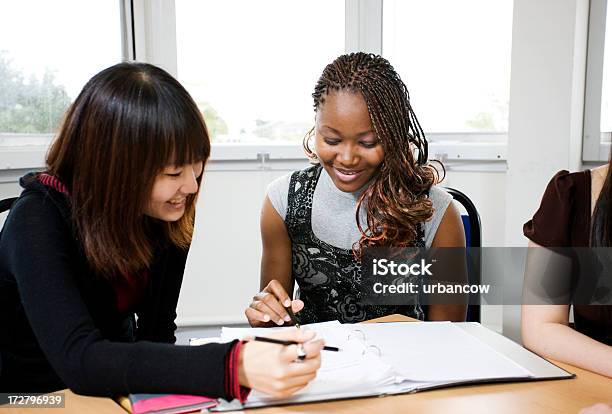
x: 404, y: 357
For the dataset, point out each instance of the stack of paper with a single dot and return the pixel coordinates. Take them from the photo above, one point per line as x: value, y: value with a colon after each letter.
x: 352, y: 369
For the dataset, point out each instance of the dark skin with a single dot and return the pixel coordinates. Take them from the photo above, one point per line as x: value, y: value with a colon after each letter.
x: 349, y: 151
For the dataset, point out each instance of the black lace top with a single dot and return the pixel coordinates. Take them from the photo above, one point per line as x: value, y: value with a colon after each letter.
x: 329, y: 277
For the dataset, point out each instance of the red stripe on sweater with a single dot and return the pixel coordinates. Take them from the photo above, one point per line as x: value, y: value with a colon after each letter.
x: 241, y: 393
x: 53, y: 182
x: 232, y: 385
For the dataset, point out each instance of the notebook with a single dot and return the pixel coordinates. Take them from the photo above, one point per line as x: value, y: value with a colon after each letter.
x: 394, y: 358
x: 168, y: 403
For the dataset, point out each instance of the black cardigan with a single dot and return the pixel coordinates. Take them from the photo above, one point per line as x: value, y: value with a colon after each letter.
x: 59, y: 324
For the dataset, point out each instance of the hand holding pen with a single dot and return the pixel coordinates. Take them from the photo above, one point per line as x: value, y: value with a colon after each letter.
x: 301, y: 352
x: 272, y: 369
x: 273, y: 307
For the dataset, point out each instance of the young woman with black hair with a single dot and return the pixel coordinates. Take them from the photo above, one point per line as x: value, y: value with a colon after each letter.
x: 102, y: 236
x: 371, y: 186
x: 575, y: 211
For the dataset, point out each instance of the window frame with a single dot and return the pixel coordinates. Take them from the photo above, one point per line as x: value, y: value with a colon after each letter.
x: 594, y: 149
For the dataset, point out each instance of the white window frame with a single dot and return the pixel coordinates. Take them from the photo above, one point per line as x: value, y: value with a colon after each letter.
x: 149, y: 35
x: 594, y: 148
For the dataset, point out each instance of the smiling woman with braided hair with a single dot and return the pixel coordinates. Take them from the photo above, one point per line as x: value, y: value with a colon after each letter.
x: 370, y: 186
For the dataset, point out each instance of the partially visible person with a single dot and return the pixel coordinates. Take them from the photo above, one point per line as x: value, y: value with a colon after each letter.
x: 101, y: 236
x: 576, y: 211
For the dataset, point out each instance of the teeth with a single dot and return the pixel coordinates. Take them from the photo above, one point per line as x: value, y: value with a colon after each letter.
x: 176, y: 202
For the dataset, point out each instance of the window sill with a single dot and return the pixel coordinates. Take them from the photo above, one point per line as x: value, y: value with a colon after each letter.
x: 452, y: 151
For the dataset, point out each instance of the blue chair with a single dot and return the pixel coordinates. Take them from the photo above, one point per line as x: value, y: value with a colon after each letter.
x: 473, y: 238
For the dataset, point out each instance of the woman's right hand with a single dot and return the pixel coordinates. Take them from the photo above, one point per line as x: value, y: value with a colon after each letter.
x: 268, y: 306
x: 274, y: 369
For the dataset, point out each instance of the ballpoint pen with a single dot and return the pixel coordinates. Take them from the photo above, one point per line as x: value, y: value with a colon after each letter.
x: 292, y: 316
x: 282, y: 342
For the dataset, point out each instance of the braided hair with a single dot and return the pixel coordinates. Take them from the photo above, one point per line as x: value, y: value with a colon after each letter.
x: 397, y: 199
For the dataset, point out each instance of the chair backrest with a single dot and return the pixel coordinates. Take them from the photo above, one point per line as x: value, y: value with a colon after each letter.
x: 473, y: 238
x: 471, y: 220
x: 5, y: 206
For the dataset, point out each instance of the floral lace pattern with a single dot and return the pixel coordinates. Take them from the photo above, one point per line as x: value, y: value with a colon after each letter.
x: 329, y: 278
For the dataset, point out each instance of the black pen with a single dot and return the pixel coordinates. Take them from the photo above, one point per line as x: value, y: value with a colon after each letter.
x: 286, y: 343
x: 292, y: 316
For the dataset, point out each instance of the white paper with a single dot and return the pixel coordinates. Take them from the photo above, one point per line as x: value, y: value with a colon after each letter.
x: 352, y: 369
x: 438, y: 351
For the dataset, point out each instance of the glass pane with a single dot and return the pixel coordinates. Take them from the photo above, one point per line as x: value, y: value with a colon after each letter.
x: 606, y: 85
x: 252, y: 65
x: 48, y: 50
x: 454, y: 57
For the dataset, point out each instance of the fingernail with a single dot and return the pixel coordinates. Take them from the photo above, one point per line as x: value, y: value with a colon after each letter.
x: 287, y: 318
x: 266, y: 318
x: 280, y: 322
x: 287, y: 303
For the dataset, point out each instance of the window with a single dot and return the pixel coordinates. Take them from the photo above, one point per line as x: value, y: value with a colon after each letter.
x: 251, y: 66
x: 454, y: 57
x: 598, y: 102
x: 48, y: 50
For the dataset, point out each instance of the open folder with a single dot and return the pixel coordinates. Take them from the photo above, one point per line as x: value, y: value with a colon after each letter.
x: 398, y: 357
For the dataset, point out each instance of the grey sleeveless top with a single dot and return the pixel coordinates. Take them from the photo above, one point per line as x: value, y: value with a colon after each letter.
x: 329, y: 277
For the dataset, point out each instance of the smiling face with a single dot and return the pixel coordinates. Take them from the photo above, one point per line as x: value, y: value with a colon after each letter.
x: 345, y: 142
x: 170, y: 190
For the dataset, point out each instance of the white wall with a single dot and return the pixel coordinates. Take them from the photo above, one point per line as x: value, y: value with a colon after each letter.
x: 546, y: 108
x: 487, y: 190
